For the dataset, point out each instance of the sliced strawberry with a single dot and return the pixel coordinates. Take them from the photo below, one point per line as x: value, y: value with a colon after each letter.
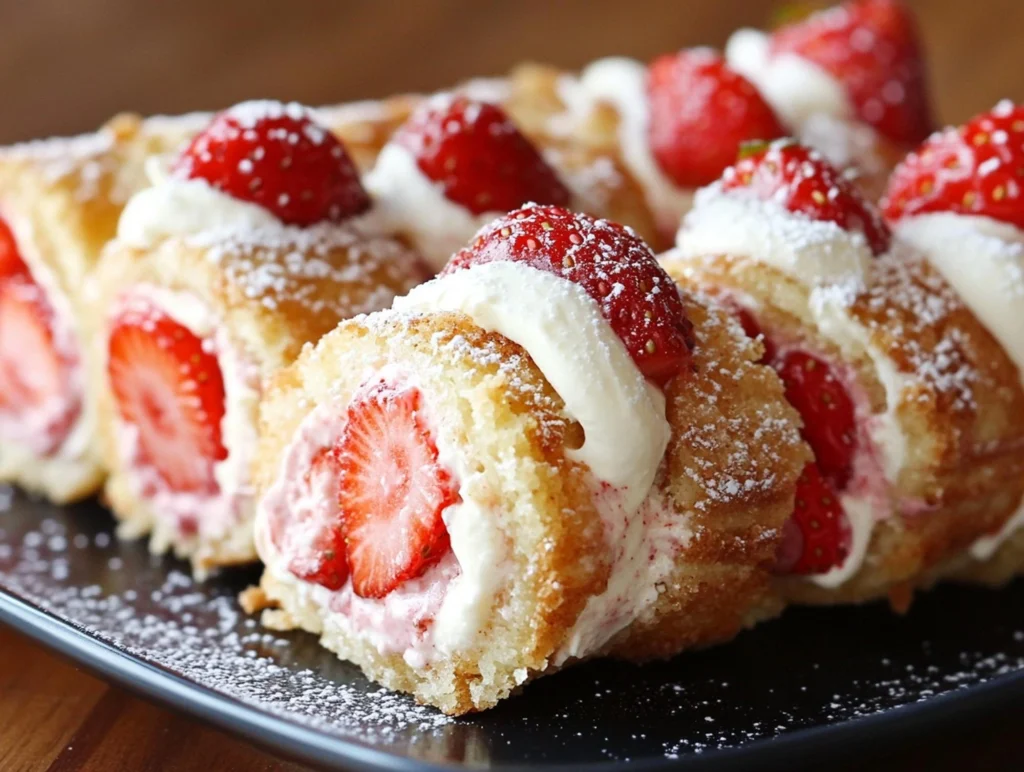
x: 700, y: 113
x: 872, y: 48
x: 817, y: 537
x: 393, y: 490
x: 277, y: 156
x: 827, y: 411
x: 614, y: 266
x: 805, y: 183
x: 34, y: 374
x: 316, y: 548
x: 478, y: 156
x: 976, y: 169
x: 169, y: 388
x: 11, y: 262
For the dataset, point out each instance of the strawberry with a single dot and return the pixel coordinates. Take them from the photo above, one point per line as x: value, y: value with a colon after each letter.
x: 805, y: 183
x: 827, y: 412
x: 872, y: 48
x: 317, y: 550
x: 169, y: 387
x: 615, y: 267
x: 700, y: 113
x: 393, y: 491
x: 33, y: 373
x: 478, y: 156
x: 976, y: 169
x: 817, y: 536
x: 276, y: 156
x: 11, y: 262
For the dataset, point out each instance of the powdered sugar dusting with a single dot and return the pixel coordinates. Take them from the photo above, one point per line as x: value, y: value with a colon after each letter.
x: 814, y: 667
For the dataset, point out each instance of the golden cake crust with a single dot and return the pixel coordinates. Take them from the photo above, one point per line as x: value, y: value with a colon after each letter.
x: 963, y: 406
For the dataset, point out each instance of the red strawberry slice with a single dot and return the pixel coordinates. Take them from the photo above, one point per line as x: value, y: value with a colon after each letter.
x: 34, y: 374
x: 478, y: 156
x: 11, y: 262
x: 393, y: 490
x: 316, y: 548
x: 976, y: 169
x: 169, y: 387
x: 805, y: 183
x: 700, y: 113
x: 827, y: 411
x: 872, y: 48
x: 615, y: 267
x: 277, y: 156
x: 817, y: 537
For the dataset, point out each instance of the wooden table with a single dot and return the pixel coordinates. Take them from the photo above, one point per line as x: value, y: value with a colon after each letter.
x: 67, y: 66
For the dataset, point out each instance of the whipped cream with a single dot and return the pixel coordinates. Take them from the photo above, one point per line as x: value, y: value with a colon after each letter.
x: 622, y: 84
x: 182, y: 207
x: 983, y: 260
x: 212, y: 514
x: 411, y: 203
x: 795, y: 87
x: 564, y: 332
x: 738, y: 223
x: 808, y: 99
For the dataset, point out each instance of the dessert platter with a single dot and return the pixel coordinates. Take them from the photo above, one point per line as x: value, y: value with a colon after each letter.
x: 348, y: 428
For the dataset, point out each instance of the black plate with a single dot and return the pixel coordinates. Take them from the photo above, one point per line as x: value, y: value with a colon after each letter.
x: 810, y: 684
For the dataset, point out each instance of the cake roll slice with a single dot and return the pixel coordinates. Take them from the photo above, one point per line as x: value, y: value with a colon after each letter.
x: 545, y: 454
x: 253, y: 244
x: 913, y: 409
x: 958, y: 200
x: 59, y: 204
x: 460, y: 161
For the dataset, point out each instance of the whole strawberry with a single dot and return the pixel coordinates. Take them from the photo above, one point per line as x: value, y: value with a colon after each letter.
x: 278, y: 157
x: 871, y: 47
x: 615, y: 267
x: 805, y: 183
x: 700, y: 113
x: 478, y: 157
x: 976, y: 169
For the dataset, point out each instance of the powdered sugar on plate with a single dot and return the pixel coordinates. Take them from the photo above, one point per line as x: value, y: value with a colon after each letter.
x: 812, y: 668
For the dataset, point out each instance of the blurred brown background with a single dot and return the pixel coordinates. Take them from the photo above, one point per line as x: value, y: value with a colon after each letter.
x: 67, y: 65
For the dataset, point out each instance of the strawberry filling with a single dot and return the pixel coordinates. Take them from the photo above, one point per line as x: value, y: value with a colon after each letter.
x: 169, y: 393
x: 818, y: 537
x: 40, y: 394
x: 377, y: 495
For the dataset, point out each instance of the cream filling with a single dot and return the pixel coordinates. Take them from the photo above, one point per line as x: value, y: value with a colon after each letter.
x: 218, y: 513
x: 457, y: 593
x: 983, y: 260
x: 622, y: 84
